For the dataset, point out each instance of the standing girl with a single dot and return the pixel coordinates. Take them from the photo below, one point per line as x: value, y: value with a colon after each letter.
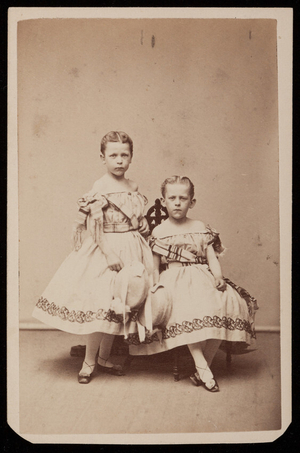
x: 201, y: 309
x: 80, y: 297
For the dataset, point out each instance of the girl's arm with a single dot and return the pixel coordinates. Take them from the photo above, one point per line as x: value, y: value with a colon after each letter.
x: 156, y: 263
x: 113, y: 261
x: 144, y: 227
x: 215, y: 268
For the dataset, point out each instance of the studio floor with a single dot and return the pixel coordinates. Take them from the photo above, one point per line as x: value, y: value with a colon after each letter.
x: 147, y: 399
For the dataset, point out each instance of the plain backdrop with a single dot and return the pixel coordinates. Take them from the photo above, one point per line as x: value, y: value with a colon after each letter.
x: 197, y: 96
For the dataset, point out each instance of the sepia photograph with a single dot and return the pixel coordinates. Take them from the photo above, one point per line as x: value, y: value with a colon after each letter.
x: 149, y: 210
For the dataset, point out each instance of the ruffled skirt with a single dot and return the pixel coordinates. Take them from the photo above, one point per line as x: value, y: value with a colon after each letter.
x: 200, y: 312
x: 78, y: 298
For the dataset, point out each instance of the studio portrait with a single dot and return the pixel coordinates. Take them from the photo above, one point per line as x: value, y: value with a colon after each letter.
x: 149, y: 233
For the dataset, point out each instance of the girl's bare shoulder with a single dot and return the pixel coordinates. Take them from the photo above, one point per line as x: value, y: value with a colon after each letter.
x: 132, y: 185
x: 100, y: 185
x: 161, y: 230
x: 196, y: 225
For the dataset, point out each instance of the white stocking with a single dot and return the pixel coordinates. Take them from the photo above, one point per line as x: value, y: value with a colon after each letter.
x: 210, y: 350
x: 203, y: 370
x: 92, y: 345
x: 105, y: 349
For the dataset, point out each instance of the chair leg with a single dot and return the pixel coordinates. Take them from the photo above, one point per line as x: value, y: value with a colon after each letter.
x: 77, y: 351
x: 228, y: 353
x: 128, y: 361
x: 175, y: 365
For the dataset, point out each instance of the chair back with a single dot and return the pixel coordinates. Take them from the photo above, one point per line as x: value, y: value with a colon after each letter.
x: 156, y: 214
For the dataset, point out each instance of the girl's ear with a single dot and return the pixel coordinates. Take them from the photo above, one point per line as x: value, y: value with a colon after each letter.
x: 162, y: 200
x: 192, y: 203
x: 102, y: 158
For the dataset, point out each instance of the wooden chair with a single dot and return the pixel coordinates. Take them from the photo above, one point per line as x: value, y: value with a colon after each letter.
x: 155, y: 215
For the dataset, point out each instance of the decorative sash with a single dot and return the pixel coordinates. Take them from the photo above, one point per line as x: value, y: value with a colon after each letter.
x: 172, y: 252
x: 127, y: 212
x: 176, y: 253
x: 117, y: 227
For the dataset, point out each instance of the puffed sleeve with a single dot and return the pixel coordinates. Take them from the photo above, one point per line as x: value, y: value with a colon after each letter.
x: 88, y: 205
x: 82, y: 214
x: 213, y: 237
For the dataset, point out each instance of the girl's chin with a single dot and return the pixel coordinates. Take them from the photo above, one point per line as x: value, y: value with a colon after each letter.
x: 118, y: 174
x: 178, y: 217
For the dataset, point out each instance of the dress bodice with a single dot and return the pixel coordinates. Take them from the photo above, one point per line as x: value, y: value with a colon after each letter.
x: 195, y: 243
x: 122, y: 206
x: 112, y: 212
x: 116, y: 212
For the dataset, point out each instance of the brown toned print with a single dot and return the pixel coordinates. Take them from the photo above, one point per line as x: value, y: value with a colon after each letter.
x: 199, y: 98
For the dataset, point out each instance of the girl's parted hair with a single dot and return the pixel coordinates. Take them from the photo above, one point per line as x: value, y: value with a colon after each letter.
x: 178, y: 180
x: 116, y: 136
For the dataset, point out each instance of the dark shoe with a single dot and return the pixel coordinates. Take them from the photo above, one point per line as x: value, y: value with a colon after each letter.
x: 197, y: 382
x: 85, y: 378
x: 115, y: 370
x: 214, y: 389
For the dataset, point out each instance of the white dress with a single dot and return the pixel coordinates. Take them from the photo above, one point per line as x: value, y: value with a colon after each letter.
x: 199, y: 310
x: 78, y: 298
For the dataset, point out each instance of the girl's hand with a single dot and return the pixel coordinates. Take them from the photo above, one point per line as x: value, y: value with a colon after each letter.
x: 220, y: 284
x: 114, y: 262
x: 143, y: 227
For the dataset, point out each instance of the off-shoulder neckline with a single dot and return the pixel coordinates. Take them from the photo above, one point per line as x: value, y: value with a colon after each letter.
x: 118, y: 192
x: 182, y: 234
x: 123, y: 191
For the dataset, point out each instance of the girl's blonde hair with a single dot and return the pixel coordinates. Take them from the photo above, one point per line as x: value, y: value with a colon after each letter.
x: 116, y: 136
x: 178, y: 180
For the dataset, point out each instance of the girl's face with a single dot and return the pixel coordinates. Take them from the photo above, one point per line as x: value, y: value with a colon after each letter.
x: 117, y: 158
x: 178, y: 200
